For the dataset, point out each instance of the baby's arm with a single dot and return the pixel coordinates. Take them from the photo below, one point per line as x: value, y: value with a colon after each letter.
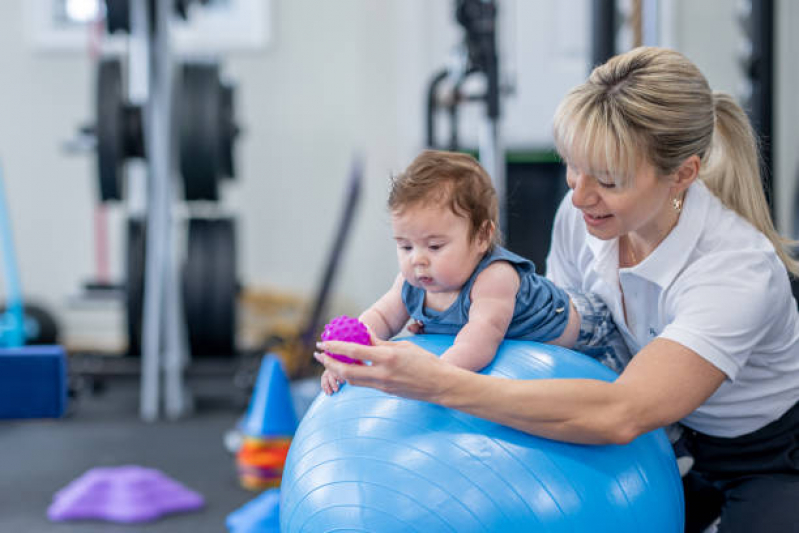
x: 387, y: 316
x: 493, y: 300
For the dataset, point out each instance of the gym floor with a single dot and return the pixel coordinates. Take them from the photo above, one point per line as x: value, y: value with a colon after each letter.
x: 40, y: 457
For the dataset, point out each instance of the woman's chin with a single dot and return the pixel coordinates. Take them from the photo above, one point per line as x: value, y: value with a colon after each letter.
x: 604, y: 234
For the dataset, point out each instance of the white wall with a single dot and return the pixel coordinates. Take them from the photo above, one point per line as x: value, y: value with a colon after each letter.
x: 43, y: 97
x: 337, y: 77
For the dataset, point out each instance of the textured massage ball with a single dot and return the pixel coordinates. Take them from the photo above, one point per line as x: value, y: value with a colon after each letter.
x: 348, y: 329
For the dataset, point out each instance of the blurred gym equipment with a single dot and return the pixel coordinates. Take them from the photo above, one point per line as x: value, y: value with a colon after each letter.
x: 180, y: 120
x: 478, y: 58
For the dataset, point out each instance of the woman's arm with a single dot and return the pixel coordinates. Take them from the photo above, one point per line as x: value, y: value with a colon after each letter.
x: 662, y: 384
x: 387, y: 316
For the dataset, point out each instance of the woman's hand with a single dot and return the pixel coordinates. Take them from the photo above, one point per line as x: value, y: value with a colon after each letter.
x: 401, y: 368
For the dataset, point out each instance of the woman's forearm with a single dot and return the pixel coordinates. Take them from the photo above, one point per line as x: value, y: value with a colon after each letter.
x: 664, y: 383
x: 574, y: 410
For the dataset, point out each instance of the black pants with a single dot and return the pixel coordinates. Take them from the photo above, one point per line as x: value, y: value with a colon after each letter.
x: 752, y: 481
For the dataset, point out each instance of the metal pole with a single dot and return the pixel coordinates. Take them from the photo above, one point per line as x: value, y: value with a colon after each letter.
x: 492, y: 157
x: 12, y: 333
x: 603, y: 31
x: 761, y: 109
x: 175, y: 345
x: 164, y: 343
x: 149, y: 401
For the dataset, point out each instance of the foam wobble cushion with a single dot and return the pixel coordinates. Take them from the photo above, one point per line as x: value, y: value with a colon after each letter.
x: 367, y: 461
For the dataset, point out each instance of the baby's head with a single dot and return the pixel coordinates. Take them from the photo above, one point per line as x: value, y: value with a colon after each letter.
x: 450, y: 180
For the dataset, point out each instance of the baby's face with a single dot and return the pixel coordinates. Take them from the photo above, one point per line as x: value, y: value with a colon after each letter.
x: 434, y: 250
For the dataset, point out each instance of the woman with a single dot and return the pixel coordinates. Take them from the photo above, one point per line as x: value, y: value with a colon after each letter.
x: 668, y: 225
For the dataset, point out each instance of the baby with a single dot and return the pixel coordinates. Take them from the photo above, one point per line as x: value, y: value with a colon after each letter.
x: 454, y: 277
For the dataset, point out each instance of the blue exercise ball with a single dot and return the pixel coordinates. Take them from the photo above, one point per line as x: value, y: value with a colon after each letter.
x: 368, y: 461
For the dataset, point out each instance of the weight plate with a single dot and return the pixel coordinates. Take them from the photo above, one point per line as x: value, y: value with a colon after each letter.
x: 110, y: 129
x: 210, y: 288
x: 199, y: 110
x: 39, y: 324
x: 134, y: 285
x: 117, y: 16
x: 228, y: 131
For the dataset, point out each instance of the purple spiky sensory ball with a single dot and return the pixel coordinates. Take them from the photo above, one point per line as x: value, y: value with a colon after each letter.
x: 347, y: 329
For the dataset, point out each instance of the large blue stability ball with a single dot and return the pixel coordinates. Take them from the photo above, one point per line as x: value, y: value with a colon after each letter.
x: 367, y: 461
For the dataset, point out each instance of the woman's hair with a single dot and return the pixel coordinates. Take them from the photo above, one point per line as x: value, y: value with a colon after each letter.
x: 654, y: 105
x: 451, y: 179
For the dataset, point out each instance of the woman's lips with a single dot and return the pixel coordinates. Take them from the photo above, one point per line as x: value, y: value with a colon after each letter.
x: 592, y: 220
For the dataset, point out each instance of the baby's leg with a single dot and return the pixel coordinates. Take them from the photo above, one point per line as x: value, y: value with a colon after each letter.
x: 599, y: 337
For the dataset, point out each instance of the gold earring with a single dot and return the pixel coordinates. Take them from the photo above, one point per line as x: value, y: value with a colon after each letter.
x: 676, y: 203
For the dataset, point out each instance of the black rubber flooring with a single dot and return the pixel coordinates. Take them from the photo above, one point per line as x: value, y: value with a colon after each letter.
x: 38, y: 457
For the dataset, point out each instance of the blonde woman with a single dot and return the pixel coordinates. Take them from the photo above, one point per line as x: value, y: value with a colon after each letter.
x: 667, y: 225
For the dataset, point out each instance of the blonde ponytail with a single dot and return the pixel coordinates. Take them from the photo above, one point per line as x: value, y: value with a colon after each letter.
x: 731, y: 170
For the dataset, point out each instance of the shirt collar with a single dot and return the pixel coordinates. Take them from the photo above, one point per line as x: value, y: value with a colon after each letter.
x: 671, y: 255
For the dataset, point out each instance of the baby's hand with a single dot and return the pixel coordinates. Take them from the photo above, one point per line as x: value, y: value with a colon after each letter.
x: 330, y: 383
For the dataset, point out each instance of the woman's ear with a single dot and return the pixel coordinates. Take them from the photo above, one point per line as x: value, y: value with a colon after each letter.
x: 687, y: 173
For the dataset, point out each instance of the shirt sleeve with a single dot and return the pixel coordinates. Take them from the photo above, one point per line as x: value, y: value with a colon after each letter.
x: 562, y: 261
x: 724, y: 307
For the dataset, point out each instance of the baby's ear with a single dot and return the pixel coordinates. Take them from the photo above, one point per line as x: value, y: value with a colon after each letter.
x: 486, y: 234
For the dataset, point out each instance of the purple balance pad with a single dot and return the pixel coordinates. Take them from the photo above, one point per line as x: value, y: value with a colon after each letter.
x: 122, y: 494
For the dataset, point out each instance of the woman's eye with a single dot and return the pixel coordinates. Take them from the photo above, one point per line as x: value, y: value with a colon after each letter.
x: 606, y: 184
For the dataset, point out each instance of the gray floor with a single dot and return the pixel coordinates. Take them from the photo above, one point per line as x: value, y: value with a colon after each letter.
x: 38, y: 457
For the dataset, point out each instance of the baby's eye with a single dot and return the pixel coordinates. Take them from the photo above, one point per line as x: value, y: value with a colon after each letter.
x: 404, y: 247
x: 435, y: 247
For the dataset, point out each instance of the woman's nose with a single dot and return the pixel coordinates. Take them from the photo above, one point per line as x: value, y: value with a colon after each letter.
x: 582, y: 193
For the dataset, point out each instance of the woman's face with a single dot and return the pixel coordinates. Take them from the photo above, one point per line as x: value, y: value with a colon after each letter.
x: 610, y: 211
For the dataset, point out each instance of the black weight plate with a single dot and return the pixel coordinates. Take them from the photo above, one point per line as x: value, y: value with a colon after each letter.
x: 229, y: 131
x: 39, y: 324
x: 199, y: 109
x: 133, y: 131
x: 134, y: 285
x: 117, y: 16
x: 209, y: 287
x: 110, y: 128
x: 225, y: 288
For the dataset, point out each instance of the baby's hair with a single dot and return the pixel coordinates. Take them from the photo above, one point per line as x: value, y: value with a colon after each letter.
x: 453, y: 179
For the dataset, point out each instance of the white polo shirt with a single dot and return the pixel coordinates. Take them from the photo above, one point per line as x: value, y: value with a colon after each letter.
x: 714, y: 285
